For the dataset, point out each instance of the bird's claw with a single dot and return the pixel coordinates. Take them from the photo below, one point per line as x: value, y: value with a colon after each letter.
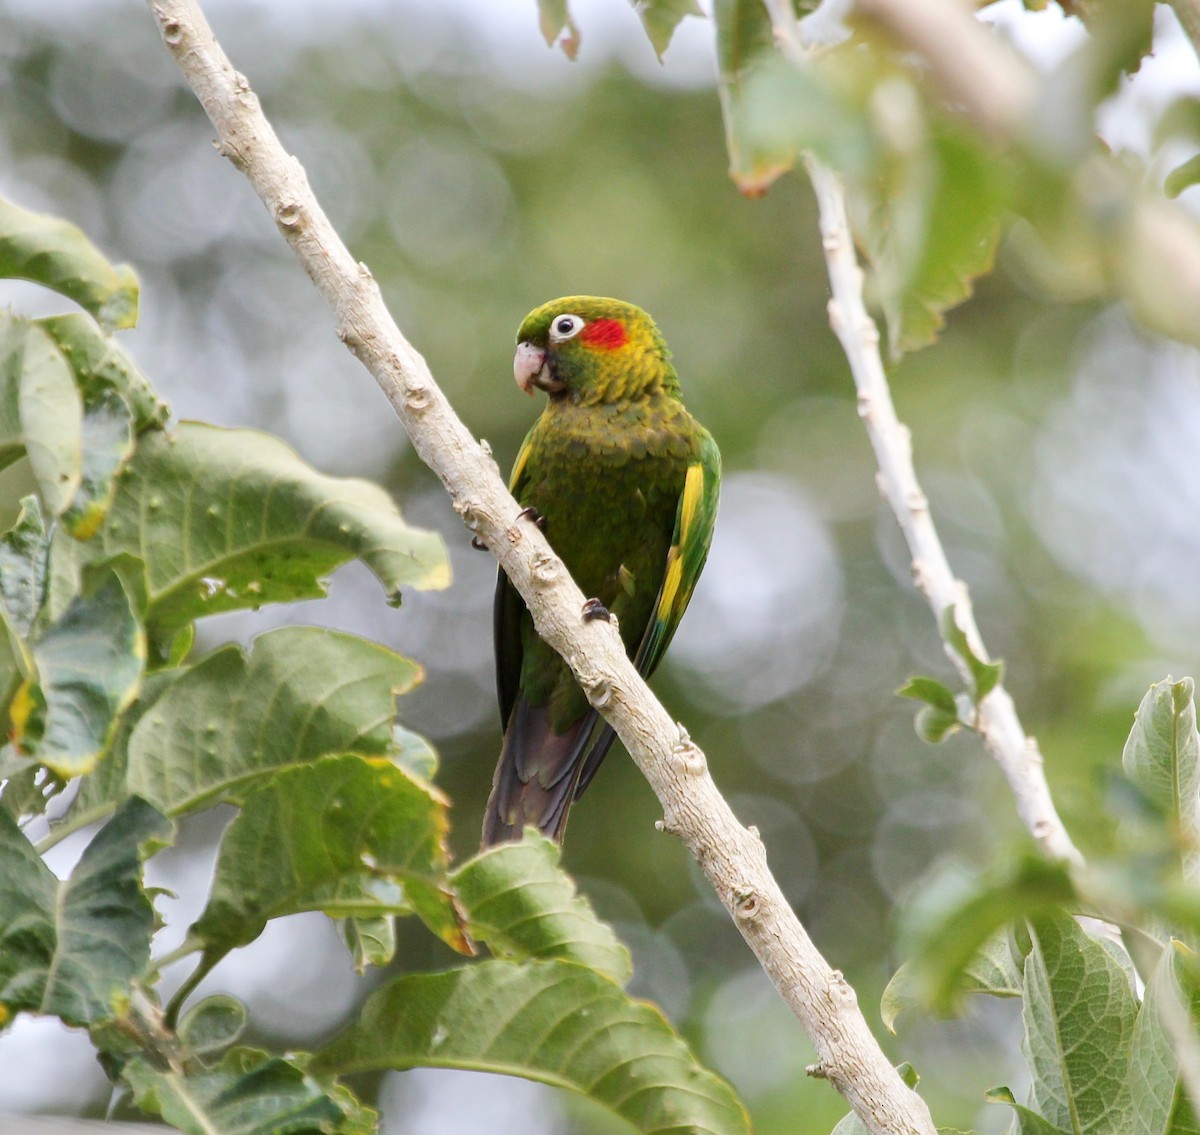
x: 594, y: 609
x: 478, y: 544
x: 532, y: 513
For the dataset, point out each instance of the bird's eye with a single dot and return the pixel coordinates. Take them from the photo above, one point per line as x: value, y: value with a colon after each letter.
x: 565, y: 327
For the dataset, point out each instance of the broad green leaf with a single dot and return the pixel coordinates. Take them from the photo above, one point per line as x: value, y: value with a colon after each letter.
x: 991, y: 971
x: 72, y: 948
x: 212, y: 1025
x: 302, y: 693
x: 1025, y: 1122
x: 956, y: 915
x: 22, y: 587
x: 355, y: 837
x: 414, y: 752
x: 555, y: 19
x: 55, y: 253
x: 23, y: 552
x: 523, y: 905
x: 1162, y: 758
x: 248, y: 1093
x: 932, y: 227
x: 107, y: 439
x: 371, y: 941
x: 228, y: 519
x: 1079, y: 1013
x: 1160, y: 1104
x: 87, y: 668
x: 759, y: 151
x: 101, y: 366
x: 984, y: 675
x: 660, y: 18
x: 553, y: 1021
x: 49, y: 410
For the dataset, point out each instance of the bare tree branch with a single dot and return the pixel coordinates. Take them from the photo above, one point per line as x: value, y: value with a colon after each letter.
x: 732, y: 857
x: 997, y: 721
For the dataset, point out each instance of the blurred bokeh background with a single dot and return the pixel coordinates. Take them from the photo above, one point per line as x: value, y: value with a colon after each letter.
x: 479, y: 174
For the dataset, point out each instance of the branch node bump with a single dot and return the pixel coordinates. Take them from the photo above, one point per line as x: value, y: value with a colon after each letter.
x: 545, y: 566
x: 289, y: 215
x: 868, y: 331
x: 599, y: 690
x: 865, y: 404
x: 687, y: 756
x: 746, y: 904
x: 835, y: 317
x: 881, y: 486
x: 417, y: 398
x: 172, y: 31
x: 819, y: 1071
x: 917, y: 501
x: 486, y: 446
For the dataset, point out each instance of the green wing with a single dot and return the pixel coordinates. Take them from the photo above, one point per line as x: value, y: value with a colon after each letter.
x: 507, y: 610
x: 694, y: 521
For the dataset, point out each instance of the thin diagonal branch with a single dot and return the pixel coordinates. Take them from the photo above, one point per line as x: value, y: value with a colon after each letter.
x: 1016, y: 754
x: 732, y: 857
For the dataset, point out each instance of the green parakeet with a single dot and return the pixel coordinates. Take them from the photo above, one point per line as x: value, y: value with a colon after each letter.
x: 624, y: 482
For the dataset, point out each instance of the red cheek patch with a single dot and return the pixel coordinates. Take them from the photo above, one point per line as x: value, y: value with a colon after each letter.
x: 608, y: 334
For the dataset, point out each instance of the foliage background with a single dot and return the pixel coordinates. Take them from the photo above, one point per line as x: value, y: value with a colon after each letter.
x: 479, y: 174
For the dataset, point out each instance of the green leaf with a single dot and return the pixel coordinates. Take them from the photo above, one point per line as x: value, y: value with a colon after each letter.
x: 555, y: 18
x: 414, y: 752
x: 351, y: 836
x: 212, y: 1025
x: 1079, y: 1013
x: 371, y: 941
x: 1162, y: 758
x: 107, y: 438
x: 553, y: 1021
x: 55, y: 253
x: 100, y: 366
x: 1159, y: 1101
x: 1025, y: 1122
x: 660, y: 18
x: 23, y: 550
x: 1182, y: 177
x: 302, y: 693
x: 523, y: 905
x: 956, y: 915
x: 991, y: 971
x: 228, y: 519
x: 248, y: 1093
x: 984, y: 675
x: 88, y: 667
x: 931, y: 692
x: 49, y: 410
x: 759, y: 152
x: 72, y: 948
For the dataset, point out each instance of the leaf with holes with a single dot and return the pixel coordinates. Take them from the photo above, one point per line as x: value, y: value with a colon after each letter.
x: 302, y: 693
x: 56, y: 254
x: 72, y: 948
x: 248, y: 1093
x: 352, y: 836
x: 229, y: 519
x: 553, y: 1021
x: 523, y: 905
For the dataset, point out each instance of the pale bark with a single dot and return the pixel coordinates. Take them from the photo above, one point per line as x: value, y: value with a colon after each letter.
x: 732, y: 857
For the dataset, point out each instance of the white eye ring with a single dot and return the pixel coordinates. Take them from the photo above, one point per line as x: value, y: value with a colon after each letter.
x: 564, y: 327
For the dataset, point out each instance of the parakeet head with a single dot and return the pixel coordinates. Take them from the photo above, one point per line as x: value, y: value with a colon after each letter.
x: 590, y: 349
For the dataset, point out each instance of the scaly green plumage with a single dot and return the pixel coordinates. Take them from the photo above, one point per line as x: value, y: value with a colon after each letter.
x: 627, y: 481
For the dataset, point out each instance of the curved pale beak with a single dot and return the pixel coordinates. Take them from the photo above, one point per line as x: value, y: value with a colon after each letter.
x: 529, y: 365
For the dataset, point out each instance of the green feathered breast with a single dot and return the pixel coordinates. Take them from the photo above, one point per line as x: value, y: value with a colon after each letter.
x: 627, y: 483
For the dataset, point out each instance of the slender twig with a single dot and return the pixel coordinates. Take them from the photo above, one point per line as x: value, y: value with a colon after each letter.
x: 732, y: 857
x: 996, y: 719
